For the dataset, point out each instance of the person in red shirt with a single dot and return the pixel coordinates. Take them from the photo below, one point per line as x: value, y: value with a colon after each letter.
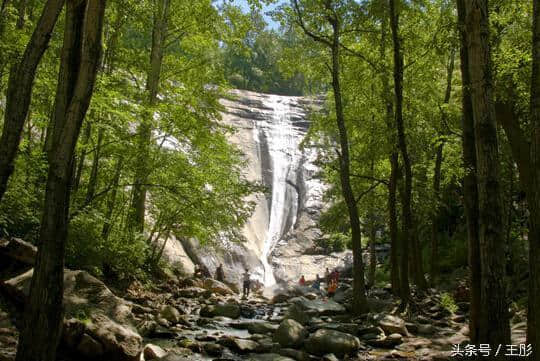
x: 302, y: 281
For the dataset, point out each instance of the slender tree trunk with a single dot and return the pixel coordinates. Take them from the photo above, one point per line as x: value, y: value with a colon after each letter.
x: 359, y: 289
x: 92, y: 181
x: 407, y: 223
x: 86, y: 139
x: 470, y: 189
x: 533, y: 319
x: 161, y: 18
x: 372, y: 236
x: 437, y: 178
x: 19, y: 90
x: 112, y: 199
x: 494, y: 321
x: 42, y: 324
x: 394, y: 160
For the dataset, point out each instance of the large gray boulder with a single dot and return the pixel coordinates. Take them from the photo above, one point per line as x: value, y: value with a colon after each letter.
x: 19, y: 250
x: 217, y: 287
x: 393, y: 324
x: 325, y: 341
x: 231, y: 310
x: 318, y: 307
x: 290, y: 334
x: 95, y: 319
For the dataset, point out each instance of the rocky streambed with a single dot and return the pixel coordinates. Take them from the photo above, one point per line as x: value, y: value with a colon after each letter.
x: 203, y: 319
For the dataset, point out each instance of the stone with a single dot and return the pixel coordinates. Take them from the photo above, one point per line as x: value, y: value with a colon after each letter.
x: 393, y: 324
x: 239, y: 345
x: 290, y: 334
x: 268, y: 357
x: 170, y: 313
x: 19, y: 250
x: 330, y: 357
x: 217, y: 287
x: 191, y: 292
x: 213, y: 349
x: 231, y: 310
x: 319, y: 307
x: 298, y: 355
x: 260, y: 327
x: 325, y: 341
x: 152, y: 352
x: 89, y: 347
x: 295, y: 312
x: 389, y: 341
x: 91, y: 308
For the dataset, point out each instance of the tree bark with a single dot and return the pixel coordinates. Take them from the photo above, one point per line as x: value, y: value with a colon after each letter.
x: 78, y: 173
x: 19, y: 92
x: 359, y: 289
x: 161, y: 18
x: 470, y: 189
x: 112, y: 199
x: 372, y: 237
x: 394, y: 160
x: 434, y: 271
x: 533, y: 319
x: 92, y: 181
x: 494, y: 320
x: 42, y: 324
x: 407, y: 223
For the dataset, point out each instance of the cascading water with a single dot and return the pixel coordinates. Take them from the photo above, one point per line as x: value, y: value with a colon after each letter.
x: 282, y: 139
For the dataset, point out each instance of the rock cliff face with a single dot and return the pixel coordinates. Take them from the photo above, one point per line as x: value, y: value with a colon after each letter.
x: 278, y: 238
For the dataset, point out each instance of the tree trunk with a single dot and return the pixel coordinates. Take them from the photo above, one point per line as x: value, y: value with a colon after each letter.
x: 78, y: 173
x: 392, y: 181
x: 43, y: 316
x: 437, y: 177
x: 359, y: 289
x: 470, y: 189
x: 494, y: 321
x: 19, y: 92
x: 112, y: 199
x: 533, y: 319
x: 372, y: 236
x: 407, y: 225
x: 161, y: 18
x: 92, y: 181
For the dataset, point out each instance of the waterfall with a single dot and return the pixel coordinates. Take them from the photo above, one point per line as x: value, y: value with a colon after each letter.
x: 281, y: 138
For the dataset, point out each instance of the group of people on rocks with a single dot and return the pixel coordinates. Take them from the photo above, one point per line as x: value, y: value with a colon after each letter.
x: 331, y: 280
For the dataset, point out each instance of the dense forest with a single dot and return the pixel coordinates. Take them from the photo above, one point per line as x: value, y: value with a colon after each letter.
x: 429, y: 140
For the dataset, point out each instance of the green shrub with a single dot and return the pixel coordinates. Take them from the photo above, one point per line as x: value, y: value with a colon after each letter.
x: 447, y: 301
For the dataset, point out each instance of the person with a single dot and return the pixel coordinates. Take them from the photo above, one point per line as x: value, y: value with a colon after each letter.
x: 332, y: 287
x: 220, y: 276
x: 247, y: 284
x: 327, y: 276
x: 317, y: 283
x: 302, y: 281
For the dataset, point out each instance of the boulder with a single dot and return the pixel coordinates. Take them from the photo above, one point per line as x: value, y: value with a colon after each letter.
x: 268, y: 357
x: 258, y: 327
x: 91, y: 309
x: 19, y: 250
x: 231, y: 310
x: 213, y: 349
x: 88, y: 347
x: 191, y: 292
x: 170, y: 313
x: 290, y: 334
x: 325, y: 341
x: 386, y: 342
x: 152, y: 352
x: 295, y: 312
x: 217, y: 287
x: 298, y: 355
x: 239, y: 345
x: 393, y: 324
x: 319, y: 307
